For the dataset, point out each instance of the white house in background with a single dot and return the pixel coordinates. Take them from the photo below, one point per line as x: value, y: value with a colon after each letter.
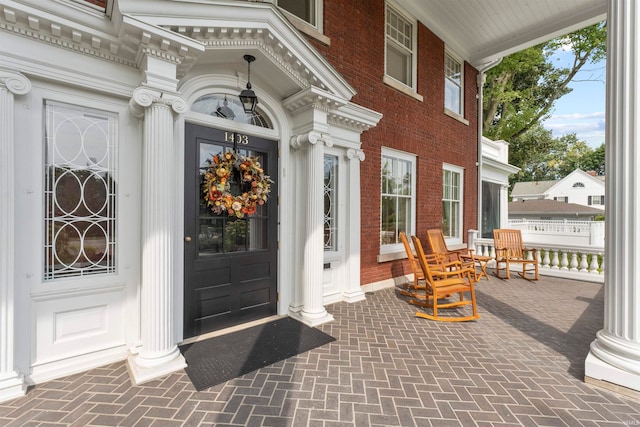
x: 579, y: 187
x: 495, y: 185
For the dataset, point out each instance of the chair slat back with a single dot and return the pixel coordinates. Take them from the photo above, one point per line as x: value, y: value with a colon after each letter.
x: 413, y: 262
x: 436, y: 242
x: 509, y: 241
x: 422, y: 259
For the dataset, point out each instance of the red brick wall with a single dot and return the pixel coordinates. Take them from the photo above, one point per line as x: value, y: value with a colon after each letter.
x: 99, y: 3
x: 356, y: 31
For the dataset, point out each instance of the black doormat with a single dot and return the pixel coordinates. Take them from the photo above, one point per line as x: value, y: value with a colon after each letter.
x: 216, y: 360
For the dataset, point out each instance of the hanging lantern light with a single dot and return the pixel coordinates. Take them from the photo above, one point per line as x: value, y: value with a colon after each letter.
x: 248, y: 97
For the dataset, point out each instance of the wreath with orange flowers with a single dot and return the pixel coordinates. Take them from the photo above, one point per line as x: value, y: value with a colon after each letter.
x: 254, y: 184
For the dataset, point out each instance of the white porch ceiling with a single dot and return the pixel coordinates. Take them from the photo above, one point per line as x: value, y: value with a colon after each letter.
x: 483, y: 30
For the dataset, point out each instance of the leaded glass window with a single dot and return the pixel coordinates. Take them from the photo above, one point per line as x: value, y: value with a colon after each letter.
x: 80, y: 191
x: 330, y: 203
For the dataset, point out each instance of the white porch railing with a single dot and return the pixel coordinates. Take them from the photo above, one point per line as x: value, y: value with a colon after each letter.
x: 578, y: 262
x: 581, y: 233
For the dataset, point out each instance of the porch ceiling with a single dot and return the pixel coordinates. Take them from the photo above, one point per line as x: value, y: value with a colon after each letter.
x: 481, y: 31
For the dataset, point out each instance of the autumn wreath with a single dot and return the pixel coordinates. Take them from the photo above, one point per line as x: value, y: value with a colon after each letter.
x: 254, y: 184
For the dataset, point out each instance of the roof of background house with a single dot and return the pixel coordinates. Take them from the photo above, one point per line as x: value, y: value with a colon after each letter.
x: 529, y: 188
x: 546, y: 206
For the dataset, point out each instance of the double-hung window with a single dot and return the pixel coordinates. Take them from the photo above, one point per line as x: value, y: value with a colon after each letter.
x: 309, y: 11
x: 400, y: 47
x: 596, y: 200
x: 398, y: 198
x: 452, y: 180
x: 453, y: 84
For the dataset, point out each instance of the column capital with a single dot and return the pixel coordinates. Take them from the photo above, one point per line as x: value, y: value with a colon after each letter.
x: 313, y: 137
x: 15, y: 82
x: 353, y: 154
x: 145, y: 96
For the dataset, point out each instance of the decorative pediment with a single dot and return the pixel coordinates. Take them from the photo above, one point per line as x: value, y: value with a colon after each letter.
x: 259, y: 27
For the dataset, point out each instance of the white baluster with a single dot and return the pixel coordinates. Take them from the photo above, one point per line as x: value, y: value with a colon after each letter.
x: 564, y: 263
x: 584, y: 265
x: 594, y: 264
x: 546, y: 259
x: 574, y: 261
x: 555, y: 262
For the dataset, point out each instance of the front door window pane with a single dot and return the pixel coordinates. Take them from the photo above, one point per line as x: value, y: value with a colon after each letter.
x: 227, y: 233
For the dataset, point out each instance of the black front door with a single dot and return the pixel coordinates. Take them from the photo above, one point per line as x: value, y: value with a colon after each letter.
x: 229, y: 262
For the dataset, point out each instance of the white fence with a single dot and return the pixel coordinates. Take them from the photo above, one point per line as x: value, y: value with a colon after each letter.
x: 580, y: 233
x: 579, y: 262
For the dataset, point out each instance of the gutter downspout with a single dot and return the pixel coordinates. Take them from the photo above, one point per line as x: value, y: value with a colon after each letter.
x: 480, y: 82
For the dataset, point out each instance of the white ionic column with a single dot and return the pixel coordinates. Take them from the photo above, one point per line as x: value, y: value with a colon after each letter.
x: 352, y: 291
x: 11, y: 382
x: 313, y: 312
x: 615, y: 353
x: 159, y: 354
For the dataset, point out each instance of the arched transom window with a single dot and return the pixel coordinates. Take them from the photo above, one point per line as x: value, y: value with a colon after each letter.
x: 228, y: 107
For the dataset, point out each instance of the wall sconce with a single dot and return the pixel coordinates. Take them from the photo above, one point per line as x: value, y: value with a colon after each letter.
x: 248, y: 97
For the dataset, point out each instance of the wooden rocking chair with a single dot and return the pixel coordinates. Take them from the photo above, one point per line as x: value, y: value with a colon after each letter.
x: 442, y: 283
x: 436, y: 241
x: 511, y: 250
x: 418, y: 276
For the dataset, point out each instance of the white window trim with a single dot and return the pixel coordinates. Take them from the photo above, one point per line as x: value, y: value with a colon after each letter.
x: 315, y: 31
x: 390, y: 81
x: 455, y: 114
x: 459, y: 170
x: 387, y: 250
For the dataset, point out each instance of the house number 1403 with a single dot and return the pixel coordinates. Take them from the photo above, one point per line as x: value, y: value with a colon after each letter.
x: 236, y: 137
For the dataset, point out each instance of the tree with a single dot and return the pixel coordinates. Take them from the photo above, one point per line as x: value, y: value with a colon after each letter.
x: 536, y: 153
x: 542, y: 157
x: 594, y: 161
x: 521, y: 90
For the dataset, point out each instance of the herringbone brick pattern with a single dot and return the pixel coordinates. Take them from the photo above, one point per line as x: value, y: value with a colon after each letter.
x: 520, y: 364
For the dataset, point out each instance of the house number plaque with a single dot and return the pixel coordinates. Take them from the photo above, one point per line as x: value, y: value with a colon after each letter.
x: 236, y: 138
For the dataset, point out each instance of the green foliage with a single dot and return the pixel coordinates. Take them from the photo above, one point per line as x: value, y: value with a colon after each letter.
x: 521, y: 90
x: 519, y: 95
x: 541, y: 157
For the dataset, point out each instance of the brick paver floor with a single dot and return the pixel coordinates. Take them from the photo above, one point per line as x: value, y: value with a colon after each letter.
x: 520, y: 364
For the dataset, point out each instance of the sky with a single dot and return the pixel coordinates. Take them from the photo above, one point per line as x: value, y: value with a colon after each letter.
x: 581, y: 111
